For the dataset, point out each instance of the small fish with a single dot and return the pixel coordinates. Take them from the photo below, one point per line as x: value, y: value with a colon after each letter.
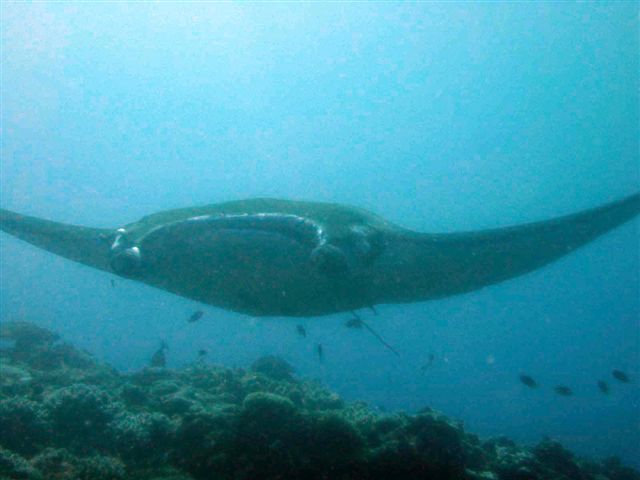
x: 159, y: 359
x: 529, y: 381
x: 430, y: 360
x: 113, y: 283
x: 354, y: 322
x: 620, y: 376
x: 603, y: 386
x: 195, y: 316
x: 320, y: 351
x: 563, y: 390
x: 357, y: 322
x: 202, y: 353
x: 301, y: 331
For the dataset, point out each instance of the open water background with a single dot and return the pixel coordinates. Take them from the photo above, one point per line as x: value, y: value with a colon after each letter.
x: 439, y: 116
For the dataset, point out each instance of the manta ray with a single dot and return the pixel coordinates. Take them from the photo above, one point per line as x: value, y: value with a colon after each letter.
x: 271, y: 257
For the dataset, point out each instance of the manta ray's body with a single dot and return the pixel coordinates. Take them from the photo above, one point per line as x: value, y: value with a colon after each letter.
x: 268, y: 257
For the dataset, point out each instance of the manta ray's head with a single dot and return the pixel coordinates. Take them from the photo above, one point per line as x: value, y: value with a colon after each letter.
x: 125, y: 258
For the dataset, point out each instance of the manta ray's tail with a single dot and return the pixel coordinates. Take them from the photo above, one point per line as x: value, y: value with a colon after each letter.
x: 88, y: 246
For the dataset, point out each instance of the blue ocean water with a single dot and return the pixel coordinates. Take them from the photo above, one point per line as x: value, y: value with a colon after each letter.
x: 439, y: 116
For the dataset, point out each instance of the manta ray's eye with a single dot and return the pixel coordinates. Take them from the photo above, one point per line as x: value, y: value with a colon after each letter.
x: 127, y: 263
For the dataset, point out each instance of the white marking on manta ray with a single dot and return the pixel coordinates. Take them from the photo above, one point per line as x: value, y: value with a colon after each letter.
x: 262, y: 217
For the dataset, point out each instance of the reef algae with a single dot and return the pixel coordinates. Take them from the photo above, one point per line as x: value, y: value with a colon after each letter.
x: 80, y: 420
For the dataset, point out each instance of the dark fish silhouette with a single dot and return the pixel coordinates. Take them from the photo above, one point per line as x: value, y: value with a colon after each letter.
x: 195, y: 316
x: 301, y: 330
x: 320, y: 351
x: 159, y: 359
x: 603, y: 386
x: 528, y: 381
x: 563, y: 390
x: 357, y: 322
x: 430, y: 360
x: 113, y: 283
x: 202, y: 353
x: 620, y: 376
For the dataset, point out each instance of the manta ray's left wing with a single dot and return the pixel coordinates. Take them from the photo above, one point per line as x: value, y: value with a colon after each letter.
x: 89, y: 246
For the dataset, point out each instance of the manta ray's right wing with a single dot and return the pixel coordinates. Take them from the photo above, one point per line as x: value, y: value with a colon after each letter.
x: 423, y: 266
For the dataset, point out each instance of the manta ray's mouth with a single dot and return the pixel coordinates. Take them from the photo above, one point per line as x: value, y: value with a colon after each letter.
x: 263, y: 246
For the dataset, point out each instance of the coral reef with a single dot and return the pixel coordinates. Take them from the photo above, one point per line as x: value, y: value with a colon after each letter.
x: 273, y: 367
x: 65, y: 416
